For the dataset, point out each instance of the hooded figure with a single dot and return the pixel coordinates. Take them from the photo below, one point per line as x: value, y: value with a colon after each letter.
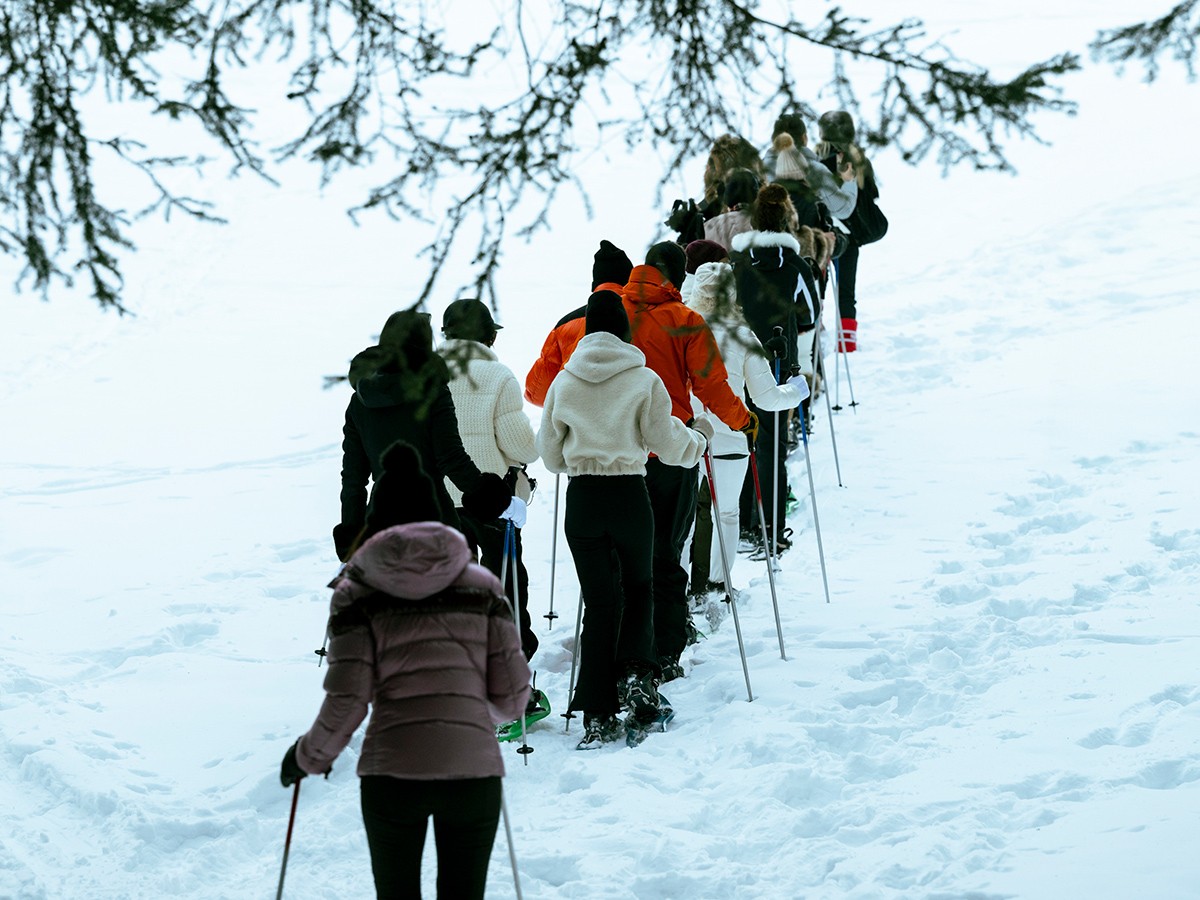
x: 401, y: 392
x: 603, y: 415
x: 423, y: 636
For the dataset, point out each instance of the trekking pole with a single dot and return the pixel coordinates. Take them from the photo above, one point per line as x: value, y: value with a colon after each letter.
x: 817, y: 363
x: 775, y: 460
x: 287, y: 844
x: 512, y: 852
x: 720, y: 530
x: 770, y: 559
x: 840, y: 351
x: 552, y: 615
x: 568, y: 715
x: 812, y: 493
x: 510, y: 553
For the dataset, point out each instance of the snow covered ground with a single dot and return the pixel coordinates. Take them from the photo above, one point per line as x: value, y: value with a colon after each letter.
x: 1001, y: 700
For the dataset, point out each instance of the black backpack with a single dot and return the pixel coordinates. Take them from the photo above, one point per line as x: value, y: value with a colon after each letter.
x: 867, y: 223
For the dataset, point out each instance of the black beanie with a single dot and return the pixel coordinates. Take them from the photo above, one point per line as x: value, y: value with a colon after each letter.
x: 611, y: 266
x: 404, y: 493
x: 606, y: 312
x: 669, y: 258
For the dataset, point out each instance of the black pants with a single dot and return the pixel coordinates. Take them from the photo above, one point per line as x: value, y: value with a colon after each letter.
x: 489, y: 536
x: 847, y: 270
x: 396, y: 814
x: 609, y: 517
x: 771, y: 450
x: 673, y: 499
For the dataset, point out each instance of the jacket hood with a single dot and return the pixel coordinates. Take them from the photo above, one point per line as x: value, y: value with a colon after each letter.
x: 752, y: 240
x: 647, y: 285
x: 712, y: 281
x: 411, y: 561
x: 600, y: 356
x: 383, y: 389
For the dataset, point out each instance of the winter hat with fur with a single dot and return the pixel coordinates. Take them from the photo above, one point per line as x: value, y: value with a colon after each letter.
x: 611, y: 266
x: 773, y: 210
x: 837, y: 128
x: 606, y: 312
x: 702, y: 251
x: 669, y: 258
x: 789, y: 164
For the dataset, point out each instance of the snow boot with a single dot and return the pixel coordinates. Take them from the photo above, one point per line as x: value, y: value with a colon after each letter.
x: 848, y: 342
x: 599, y: 730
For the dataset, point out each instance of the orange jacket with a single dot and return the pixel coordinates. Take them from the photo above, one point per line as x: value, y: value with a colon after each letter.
x: 560, y: 344
x: 680, y: 348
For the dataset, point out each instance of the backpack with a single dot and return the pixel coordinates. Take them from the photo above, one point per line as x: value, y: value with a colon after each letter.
x: 867, y: 223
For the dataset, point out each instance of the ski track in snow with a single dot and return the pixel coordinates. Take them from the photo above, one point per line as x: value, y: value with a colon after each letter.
x: 1000, y: 701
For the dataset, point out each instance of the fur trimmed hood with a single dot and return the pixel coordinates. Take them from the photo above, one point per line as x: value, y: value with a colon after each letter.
x: 753, y: 240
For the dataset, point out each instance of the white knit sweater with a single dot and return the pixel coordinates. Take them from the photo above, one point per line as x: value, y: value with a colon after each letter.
x: 606, y: 412
x: 491, y: 413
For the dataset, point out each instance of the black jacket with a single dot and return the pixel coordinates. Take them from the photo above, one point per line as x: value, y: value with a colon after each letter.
x: 771, y: 278
x: 379, y: 414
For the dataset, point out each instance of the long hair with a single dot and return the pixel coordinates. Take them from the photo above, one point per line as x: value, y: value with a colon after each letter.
x: 728, y: 152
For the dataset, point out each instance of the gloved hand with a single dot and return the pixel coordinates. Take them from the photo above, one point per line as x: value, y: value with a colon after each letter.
x: 489, y: 498
x: 703, y: 425
x: 777, y: 345
x: 750, y: 429
x: 800, y: 383
x: 515, y: 512
x: 343, y: 538
x: 290, y: 771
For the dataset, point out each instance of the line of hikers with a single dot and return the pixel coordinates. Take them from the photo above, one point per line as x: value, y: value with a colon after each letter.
x: 690, y: 353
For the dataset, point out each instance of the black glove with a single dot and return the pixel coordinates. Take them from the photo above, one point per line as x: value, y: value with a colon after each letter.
x: 343, y: 538
x: 777, y: 345
x: 489, y: 498
x: 289, y: 770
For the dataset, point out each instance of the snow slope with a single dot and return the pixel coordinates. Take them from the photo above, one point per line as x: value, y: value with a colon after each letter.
x: 1001, y: 700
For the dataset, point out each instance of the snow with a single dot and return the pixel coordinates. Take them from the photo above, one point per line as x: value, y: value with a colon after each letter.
x: 1000, y: 700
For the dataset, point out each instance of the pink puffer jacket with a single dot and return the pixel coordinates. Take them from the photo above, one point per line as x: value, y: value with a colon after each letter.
x: 425, y: 636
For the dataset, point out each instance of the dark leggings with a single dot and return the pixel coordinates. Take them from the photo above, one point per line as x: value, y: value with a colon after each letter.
x: 396, y: 814
x: 847, y: 271
x: 610, y: 530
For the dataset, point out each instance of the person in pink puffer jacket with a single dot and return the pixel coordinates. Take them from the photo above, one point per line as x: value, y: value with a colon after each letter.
x: 425, y: 636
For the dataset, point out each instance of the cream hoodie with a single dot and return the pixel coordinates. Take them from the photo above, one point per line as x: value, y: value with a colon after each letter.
x: 606, y: 412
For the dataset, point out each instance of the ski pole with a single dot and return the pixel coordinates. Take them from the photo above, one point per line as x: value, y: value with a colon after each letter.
x: 841, y: 343
x: 720, y: 530
x: 817, y: 366
x: 568, y: 715
x: 287, y: 844
x: 552, y: 615
x: 512, y: 852
x: 510, y: 553
x: 775, y: 461
x: 770, y: 557
x: 812, y: 493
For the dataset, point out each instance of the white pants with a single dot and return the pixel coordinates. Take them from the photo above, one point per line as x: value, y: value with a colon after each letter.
x: 728, y: 475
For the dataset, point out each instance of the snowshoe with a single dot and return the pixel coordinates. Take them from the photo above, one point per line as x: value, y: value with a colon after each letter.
x: 637, y: 729
x: 638, y: 693
x: 537, y: 709
x: 694, y: 634
x: 598, y: 731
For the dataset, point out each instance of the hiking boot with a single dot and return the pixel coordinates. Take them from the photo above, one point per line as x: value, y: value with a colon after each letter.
x: 694, y: 635
x: 671, y: 669
x: 599, y: 730
x: 641, y: 694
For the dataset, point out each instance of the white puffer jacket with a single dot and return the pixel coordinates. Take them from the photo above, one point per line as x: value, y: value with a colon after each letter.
x: 491, y: 413
x: 713, y: 288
